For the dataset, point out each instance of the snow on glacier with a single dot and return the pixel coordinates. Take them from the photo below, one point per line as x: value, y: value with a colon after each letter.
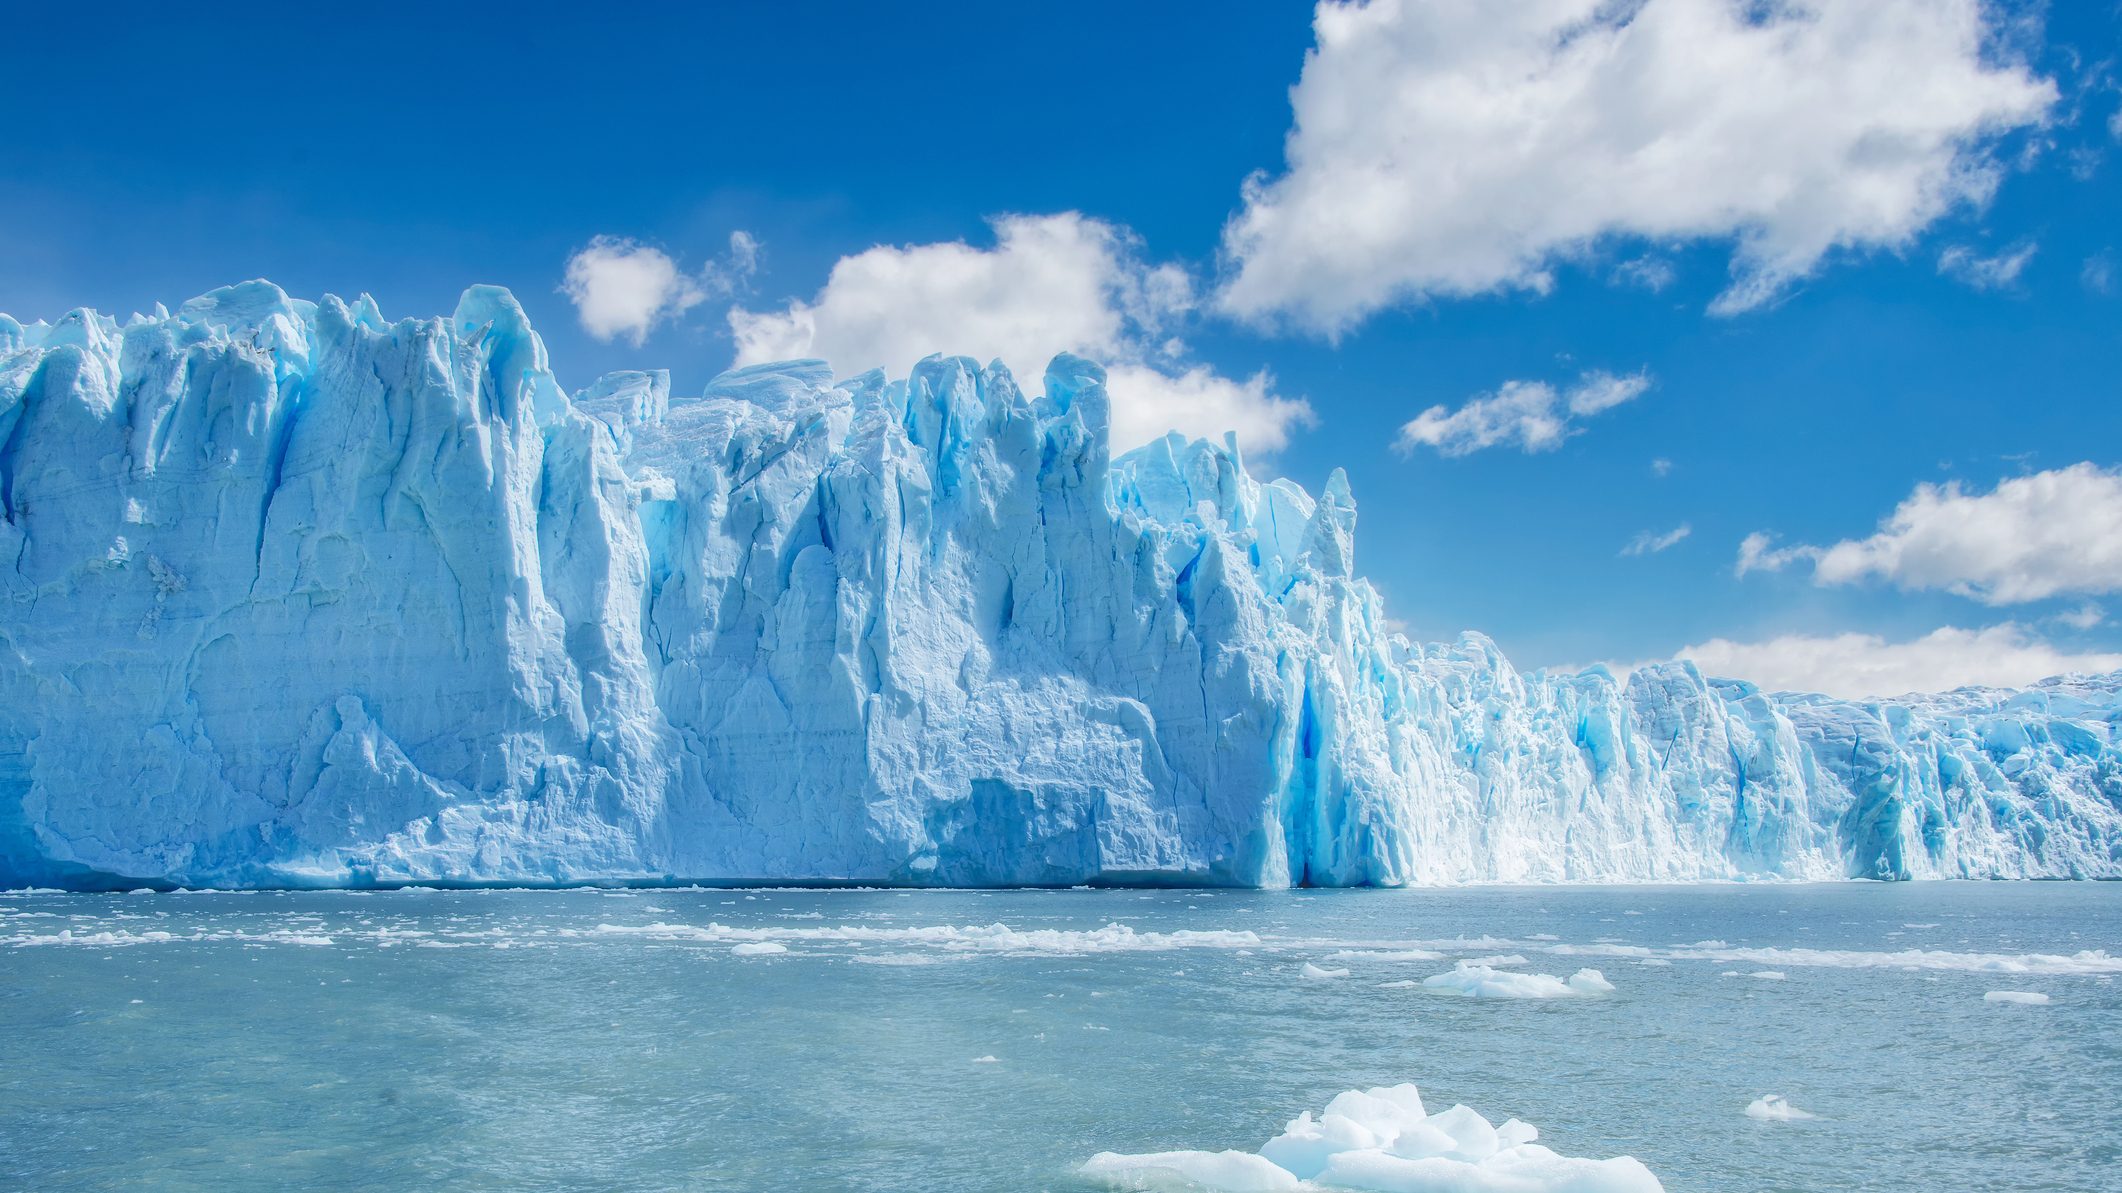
x: 301, y: 596
x: 1381, y: 1139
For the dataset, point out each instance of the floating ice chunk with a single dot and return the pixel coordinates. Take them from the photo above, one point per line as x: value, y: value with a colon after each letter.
x: 1221, y: 1172
x: 1383, y: 1141
x: 1402, y: 984
x: 986, y: 1060
x: 757, y: 948
x: 1771, y: 1108
x: 1385, y: 955
x: 2028, y: 998
x: 1515, y: 1133
x: 1769, y: 975
x: 1503, y: 962
x: 1482, y: 981
x: 1473, y: 1137
x: 990, y: 938
x: 2085, y: 961
x: 1316, y: 974
x: 1306, y: 1145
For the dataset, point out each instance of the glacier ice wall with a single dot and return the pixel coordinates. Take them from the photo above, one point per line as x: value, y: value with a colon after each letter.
x: 300, y: 596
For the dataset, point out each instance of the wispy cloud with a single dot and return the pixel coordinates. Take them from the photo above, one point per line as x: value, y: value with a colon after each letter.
x: 1650, y: 273
x: 1532, y: 416
x: 1758, y: 553
x: 1996, y: 272
x: 2089, y: 615
x: 2098, y: 273
x: 1649, y: 543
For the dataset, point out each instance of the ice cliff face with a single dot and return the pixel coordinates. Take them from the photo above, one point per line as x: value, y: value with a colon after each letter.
x: 300, y: 596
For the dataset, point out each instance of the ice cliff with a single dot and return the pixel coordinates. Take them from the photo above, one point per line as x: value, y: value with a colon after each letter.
x: 302, y: 596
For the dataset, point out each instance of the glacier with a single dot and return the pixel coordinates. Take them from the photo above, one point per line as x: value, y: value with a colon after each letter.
x: 301, y: 596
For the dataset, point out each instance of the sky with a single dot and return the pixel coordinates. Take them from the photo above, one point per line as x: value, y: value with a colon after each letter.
x: 1786, y: 337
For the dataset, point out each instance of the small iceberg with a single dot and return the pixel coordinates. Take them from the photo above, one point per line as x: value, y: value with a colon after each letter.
x: 1484, y: 981
x: 2025, y: 998
x: 1771, y: 1108
x: 1381, y: 1140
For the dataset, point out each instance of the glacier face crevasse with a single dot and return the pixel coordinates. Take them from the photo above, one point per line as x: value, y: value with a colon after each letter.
x: 299, y: 596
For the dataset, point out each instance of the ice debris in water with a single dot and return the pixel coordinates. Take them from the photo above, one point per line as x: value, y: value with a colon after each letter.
x: 1382, y: 1140
x: 1771, y: 1108
x: 2028, y: 998
x: 1315, y: 972
x: 360, y: 601
x: 757, y: 948
x: 1483, y: 981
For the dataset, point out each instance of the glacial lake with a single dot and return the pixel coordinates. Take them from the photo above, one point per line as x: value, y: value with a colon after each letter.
x: 800, y: 1040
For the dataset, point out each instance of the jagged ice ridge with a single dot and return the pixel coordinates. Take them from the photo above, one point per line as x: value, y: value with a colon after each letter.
x: 300, y: 596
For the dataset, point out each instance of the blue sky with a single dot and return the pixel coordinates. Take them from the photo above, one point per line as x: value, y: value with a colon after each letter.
x: 1911, y: 203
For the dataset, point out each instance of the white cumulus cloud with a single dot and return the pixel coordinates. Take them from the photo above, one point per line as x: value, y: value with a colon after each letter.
x: 1051, y: 284
x: 1532, y: 416
x: 1862, y: 665
x: 1459, y: 147
x: 2053, y: 533
x: 622, y: 288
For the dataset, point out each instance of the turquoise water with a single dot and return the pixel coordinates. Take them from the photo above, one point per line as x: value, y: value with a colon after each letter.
x: 602, y: 1040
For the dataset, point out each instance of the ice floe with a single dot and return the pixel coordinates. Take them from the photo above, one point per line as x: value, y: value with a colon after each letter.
x: 1772, y: 1108
x: 2027, y: 998
x: 1001, y: 938
x: 1382, y: 1140
x: 1483, y: 981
